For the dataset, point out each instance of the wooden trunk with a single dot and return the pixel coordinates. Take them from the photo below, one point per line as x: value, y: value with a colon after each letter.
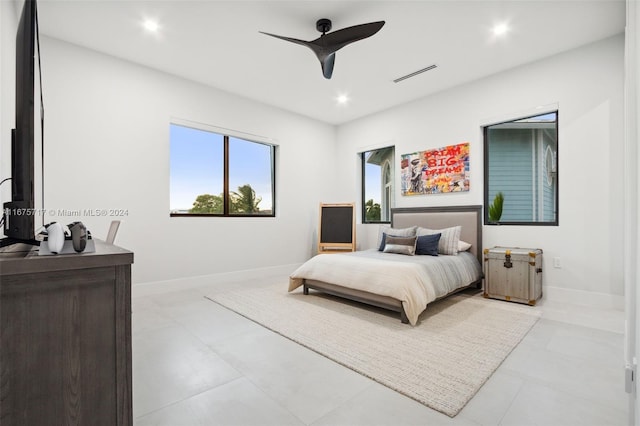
x: 513, y: 274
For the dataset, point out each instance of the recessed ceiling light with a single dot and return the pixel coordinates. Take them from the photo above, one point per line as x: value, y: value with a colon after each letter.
x: 342, y: 99
x: 151, y: 25
x: 500, y: 29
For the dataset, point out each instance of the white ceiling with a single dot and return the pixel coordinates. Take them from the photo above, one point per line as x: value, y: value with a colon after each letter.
x: 217, y: 43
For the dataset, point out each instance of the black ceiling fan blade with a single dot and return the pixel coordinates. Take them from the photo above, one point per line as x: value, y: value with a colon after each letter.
x: 327, y: 65
x: 292, y: 40
x: 338, y: 39
x: 320, y: 51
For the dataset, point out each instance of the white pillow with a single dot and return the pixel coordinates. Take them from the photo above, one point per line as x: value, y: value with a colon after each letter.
x: 463, y: 246
x: 449, y: 239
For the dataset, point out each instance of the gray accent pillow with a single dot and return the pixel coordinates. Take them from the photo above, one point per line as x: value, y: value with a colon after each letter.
x: 400, y: 245
x: 397, y: 232
x: 449, y: 239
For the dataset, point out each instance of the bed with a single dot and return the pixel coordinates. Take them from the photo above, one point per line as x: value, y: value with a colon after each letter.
x: 397, y: 282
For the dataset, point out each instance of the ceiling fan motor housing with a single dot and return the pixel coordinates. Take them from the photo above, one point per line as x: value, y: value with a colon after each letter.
x: 323, y: 25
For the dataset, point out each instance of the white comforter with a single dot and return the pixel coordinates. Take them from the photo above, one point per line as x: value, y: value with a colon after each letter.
x: 413, y: 280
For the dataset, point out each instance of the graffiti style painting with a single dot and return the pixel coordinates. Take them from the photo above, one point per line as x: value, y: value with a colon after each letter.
x: 436, y: 171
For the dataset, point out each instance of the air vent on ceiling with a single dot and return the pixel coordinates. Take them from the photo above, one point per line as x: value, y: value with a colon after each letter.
x: 413, y: 74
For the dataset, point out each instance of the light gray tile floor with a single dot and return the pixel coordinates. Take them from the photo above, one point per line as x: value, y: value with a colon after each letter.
x: 197, y: 363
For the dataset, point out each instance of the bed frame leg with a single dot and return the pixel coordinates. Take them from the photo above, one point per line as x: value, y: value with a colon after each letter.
x: 305, y: 289
x: 403, y: 317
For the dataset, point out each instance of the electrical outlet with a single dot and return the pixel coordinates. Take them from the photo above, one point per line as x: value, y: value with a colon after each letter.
x: 556, y: 262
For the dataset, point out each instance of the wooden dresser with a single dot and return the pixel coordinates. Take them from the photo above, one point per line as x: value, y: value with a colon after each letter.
x: 65, y: 337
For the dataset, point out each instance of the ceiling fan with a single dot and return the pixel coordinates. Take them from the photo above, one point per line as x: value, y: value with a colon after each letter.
x: 326, y: 46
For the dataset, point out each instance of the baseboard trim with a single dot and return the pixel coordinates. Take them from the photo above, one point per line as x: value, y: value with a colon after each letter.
x: 583, y: 298
x: 185, y: 283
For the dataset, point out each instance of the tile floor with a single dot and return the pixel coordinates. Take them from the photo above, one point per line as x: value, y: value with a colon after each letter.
x: 197, y: 363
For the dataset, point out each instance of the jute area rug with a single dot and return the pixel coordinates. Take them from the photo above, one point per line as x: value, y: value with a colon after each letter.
x: 441, y: 362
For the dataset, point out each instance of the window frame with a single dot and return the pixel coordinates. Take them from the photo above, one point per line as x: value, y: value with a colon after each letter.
x: 363, y: 165
x: 487, y: 202
x: 225, y: 185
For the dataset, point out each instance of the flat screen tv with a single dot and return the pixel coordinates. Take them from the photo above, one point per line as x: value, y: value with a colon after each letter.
x: 19, y: 213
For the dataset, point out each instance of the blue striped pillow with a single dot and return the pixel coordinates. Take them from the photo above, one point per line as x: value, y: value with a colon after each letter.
x: 449, y: 239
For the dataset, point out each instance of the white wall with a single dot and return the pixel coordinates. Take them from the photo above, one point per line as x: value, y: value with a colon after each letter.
x: 107, y: 147
x: 631, y: 184
x: 587, y: 85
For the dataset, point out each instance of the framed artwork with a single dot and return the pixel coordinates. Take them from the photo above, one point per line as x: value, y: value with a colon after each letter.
x: 435, y: 171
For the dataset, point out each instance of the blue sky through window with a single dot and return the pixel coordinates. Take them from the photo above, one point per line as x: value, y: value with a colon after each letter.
x: 196, y: 165
x: 197, y: 162
x: 373, y: 183
x: 250, y: 163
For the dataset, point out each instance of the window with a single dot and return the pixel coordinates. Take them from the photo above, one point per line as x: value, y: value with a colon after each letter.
x: 219, y: 175
x: 377, y: 185
x: 521, y: 171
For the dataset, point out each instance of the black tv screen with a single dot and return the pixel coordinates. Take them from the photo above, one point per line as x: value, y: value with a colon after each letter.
x: 20, y: 214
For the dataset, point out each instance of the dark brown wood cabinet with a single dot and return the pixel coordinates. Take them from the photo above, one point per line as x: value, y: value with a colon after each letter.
x: 65, y: 338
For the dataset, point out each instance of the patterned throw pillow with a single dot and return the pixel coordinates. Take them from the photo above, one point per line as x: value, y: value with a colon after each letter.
x: 400, y: 245
x: 449, y: 239
x: 397, y: 232
x: 427, y: 244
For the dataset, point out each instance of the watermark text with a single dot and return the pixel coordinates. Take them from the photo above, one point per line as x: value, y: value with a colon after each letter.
x: 67, y: 212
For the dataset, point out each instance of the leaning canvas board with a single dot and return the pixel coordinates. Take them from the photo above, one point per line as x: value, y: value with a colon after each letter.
x: 337, y: 230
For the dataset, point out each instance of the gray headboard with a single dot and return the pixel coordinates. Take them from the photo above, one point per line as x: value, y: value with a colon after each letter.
x: 469, y: 217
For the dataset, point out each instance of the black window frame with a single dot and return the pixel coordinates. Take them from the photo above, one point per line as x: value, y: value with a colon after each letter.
x: 363, y: 164
x: 487, y: 202
x: 225, y: 186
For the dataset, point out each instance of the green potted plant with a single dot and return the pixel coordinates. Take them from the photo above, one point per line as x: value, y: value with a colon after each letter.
x: 495, y: 209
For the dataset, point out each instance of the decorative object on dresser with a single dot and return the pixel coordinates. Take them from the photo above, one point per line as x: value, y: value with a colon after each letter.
x: 113, y: 230
x: 513, y: 274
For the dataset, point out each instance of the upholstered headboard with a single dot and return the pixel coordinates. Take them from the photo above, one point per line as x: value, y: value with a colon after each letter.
x: 469, y: 217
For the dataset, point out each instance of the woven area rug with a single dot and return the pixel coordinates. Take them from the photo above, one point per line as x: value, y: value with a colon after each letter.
x: 441, y: 362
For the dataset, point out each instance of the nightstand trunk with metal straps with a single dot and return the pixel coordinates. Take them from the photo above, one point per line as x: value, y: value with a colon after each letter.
x: 513, y: 274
